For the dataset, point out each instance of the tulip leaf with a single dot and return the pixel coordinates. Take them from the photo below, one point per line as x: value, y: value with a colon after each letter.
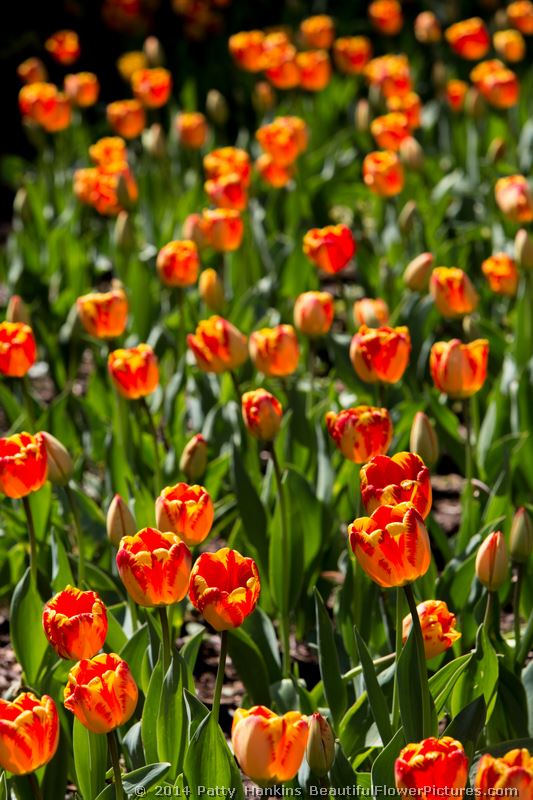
x: 61, y: 571
x: 209, y: 762
x: 90, y: 760
x: 479, y: 678
x: 383, y: 767
x: 261, y: 630
x: 3, y: 787
x: 443, y: 681
x: 196, y: 712
x: 509, y: 718
x: 250, y: 665
x: 150, y: 714
x: 410, y: 686
x: 341, y: 773
x: 138, y: 782
x: 27, y: 636
x: 251, y: 510
x: 189, y: 653
x: 376, y: 698
x: 171, y: 727
x: 134, y: 651
x: 468, y: 724
x: 328, y: 660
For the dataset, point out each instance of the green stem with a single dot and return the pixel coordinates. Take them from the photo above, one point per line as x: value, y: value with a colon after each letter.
x: 311, y: 368
x: 165, y: 637
x: 399, y: 646
x: 377, y: 662
x: 28, y: 402
x: 33, y: 539
x: 236, y: 386
x: 153, y: 431
x: 181, y: 327
x: 35, y: 788
x: 422, y: 667
x: 284, y: 621
x: 79, y: 534
x: 220, y: 674
x: 516, y: 604
x: 113, y: 753
x: 465, y: 531
x: 489, y: 612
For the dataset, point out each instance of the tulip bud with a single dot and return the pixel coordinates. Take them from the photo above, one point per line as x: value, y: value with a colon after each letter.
x: 471, y: 328
x: 123, y: 195
x: 60, y: 466
x: 406, y: 216
x: 521, y: 536
x: 423, y: 439
x: 211, y: 289
x: 474, y: 105
x: 320, y: 751
x: 154, y: 141
x: 411, y: 153
x: 217, y: 107
x: 193, y: 461
x: 120, y: 521
x: 417, y: 272
x: 491, y: 562
x: 124, y: 234
x: 362, y: 116
x: 21, y: 204
x: 263, y: 97
x: 523, y: 248
x: 153, y: 51
x: 440, y: 75
x: 17, y: 310
x: 496, y: 150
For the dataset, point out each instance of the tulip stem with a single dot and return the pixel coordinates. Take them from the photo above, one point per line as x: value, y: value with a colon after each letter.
x: 163, y: 616
x: 153, y: 431
x: 312, y: 361
x: 516, y: 604
x: 35, y: 788
x: 489, y: 612
x: 422, y: 667
x: 114, y: 755
x: 32, y: 537
x: 466, y: 530
x: 79, y: 534
x: 284, y: 615
x: 399, y: 646
x: 220, y: 674
x: 377, y: 662
x: 235, y: 385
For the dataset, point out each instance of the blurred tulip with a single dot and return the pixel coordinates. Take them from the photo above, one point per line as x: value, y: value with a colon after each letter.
x: 361, y: 432
x: 456, y: 93
x: 521, y: 542
x: 390, y: 130
x: 22, y: 209
x: 438, y: 627
x: 29, y: 733
x: 226, y: 161
x: 131, y: 62
x: 492, y: 565
x: 18, y: 349
x: 411, y: 153
x: 362, y: 115
x: 247, y: 50
x: 227, y: 191
x: 452, y: 291
x: 352, y: 54
x: 154, y: 567
x: 383, y: 173
x: 46, y: 106
x: 17, y: 312
x: 386, y: 16
x: 75, y: 623
x: 523, y: 248
x: 423, y: 439
x: 211, y: 289
x: 313, y: 313
x: 193, y: 461
x: 60, y: 466
x: 317, y: 31
x: 496, y: 150
x: 126, y: 117
x: 459, y: 370
x: 263, y: 97
x: 427, y: 28
x: 262, y: 413
x: 64, y: 47
x: 153, y: 50
x: 23, y: 464
x: 32, y: 70
x: 406, y: 217
x: 380, y: 354
x: 152, y: 87
x: 124, y: 232
x: 271, y: 172
x: 154, y: 141
x: 315, y: 70
x: 469, y: 38
x: 120, y: 521
x: 330, y: 248
x: 510, y: 45
x: 520, y: 16
x: 501, y: 273
x: 178, y: 263
x: 440, y: 764
x: 222, y: 229
x: 82, y: 88
x: 216, y: 106
x: 217, y: 345
x: 224, y: 587
x: 284, y: 139
x: 512, y: 773
x: 134, y: 371
x: 370, y: 312
x: 320, y: 750
x: 187, y: 511
x: 104, y: 314
x: 275, y: 351
x: 282, y: 69
x: 514, y: 198
x: 404, y: 478
x: 408, y: 104
x: 417, y: 272
x: 390, y: 74
x: 192, y: 129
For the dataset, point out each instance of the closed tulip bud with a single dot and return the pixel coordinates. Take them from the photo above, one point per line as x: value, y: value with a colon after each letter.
x: 496, y: 150
x: 185, y: 510
x: 154, y: 567
x: 153, y: 50
x: 193, y: 461
x: 474, y: 105
x: 124, y: 233
x: 217, y: 107
x: 423, y: 439
x: 523, y: 248
x: 60, y: 466
x: 17, y: 310
x: 521, y: 544
x: 124, y: 197
x: 411, y: 153
x: 320, y: 751
x: 492, y: 565
x: 362, y: 115
x: 406, y: 216
x: 154, y: 141
x: 21, y: 204
x: 119, y: 521
x: 417, y: 272
x: 262, y: 413
x: 211, y: 289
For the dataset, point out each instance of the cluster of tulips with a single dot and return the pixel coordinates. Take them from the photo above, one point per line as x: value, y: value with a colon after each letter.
x: 180, y: 358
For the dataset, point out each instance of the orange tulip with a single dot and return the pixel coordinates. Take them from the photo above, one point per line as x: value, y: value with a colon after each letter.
x: 154, y: 567
x: 352, y: 54
x: 126, y: 117
x: 404, y: 478
x: 380, y: 354
x: 427, y: 28
x: 192, y: 129
x: 82, y: 88
x: 438, y: 627
x: 187, y: 511
x: 361, y: 432
x: 226, y: 161
x: 512, y: 774
x: 247, y: 50
x: 386, y: 16
x: 193, y: 461
x: 432, y: 768
x: 75, y: 623
x: 469, y: 38
x: 315, y: 69
x: 408, y: 104
x: 390, y: 74
x: 383, y: 173
x: 134, y: 371
x: 313, y: 313
x: 330, y: 248
x: 498, y: 84
x: 108, y: 150
x: 64, y: 47
x: 283, y: 139
x: 211, y: 289
x: 262, y: 413
x: 452, y: 291
x: 178, y: 263
x: 459, y: 370
x: 317, y: 31
x: 275, y: 351
x: 18, y: 350
x: 104, y: 314
x: 224, y: 587
x: 281, y: 68
x: 368, y: 311
x: 268, y: 747
x: 130, y: 62
x: 514, y: 198
x: 152, y: 86
x: 29, y: 733
x: 101, y: 692
x: 509, y: 45
x: 99, y: 187
x: 455, y: 94
x: 217, y: 345
x: 520, y: 16
x: 502, y: 273
x: 222, y: 229
x: 32, y: 70
x: 227, y: 191
x: 23, y: 464
x: 390, y: 130
x: 271, y: 172
x: 263, y: 96
x: 392, y: 545
x: 45, y: 105
x: 492, y: 562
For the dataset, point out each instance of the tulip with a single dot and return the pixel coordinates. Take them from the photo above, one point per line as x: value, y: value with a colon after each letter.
x: 223, y: 229
x: 275, y: 351
x: 134, y: 371
x: 352, y: 54
x: 315, y: 70
x: 510, y: 45
x: 155, y: 141
x: 459, y: 370
x: 520, y: 16
x: 23, y: 464
x: 380, y: 354
x: 153, y: 51
x: 452, y: 291
x: 423, y: 439
x: 271, y: 172
x: 501, y: 273
x: 224, y: 586
x: 64, y: 47
x: 370, y: 312
x: 211, y: 289
x: 392, y: 545
x: 411, y: 154
x: 82, y: 89
x: 360, y: 433
x: 227, y: 191
x: 283, y: 139
x: 217, y: 107
x: 247, y: 50
x: 75, y: 623
x: 514, y: 198
x: 404, y: 478
x: 108, y: 149
x: 313, y: 313
x: 130, y: 62
x: 217, y: 345
x: 60, y: 466
x: 511, y: 774
x: 469, y: 38
x: 386, y: 16
x: 120, y: 521
x: 262, y: 414
x: 152, y: 86
x: 268, y: 747
x: 178, y: 263
x: 456, y: 91
x: 193, y: 461
x: 16, y: 311
x: 383, y: 173
x: 390, y: 130
x: 187, y: 511
x: 523, y: 247
x: 330, y: 248
x: 492, y: 566
x: 104, y: 315
x: 521, y: 543
x: 192, y: 129
x: 500, y: 87
x: 438, y: 627
x: 390, y: 74
x: 439, y: 763
x: 317, y: 31
x: 410, y: 105
x: 283, y: 71
x: 320, y: 750
x: 263, y: 97
x: 427, y: 28
x: 18, y: 349
x: 226, y: 161
x: 417, y: 272
x: 101, y: 692
x: 126, y: 117
x: 32, y: 70
x: 29, y: 733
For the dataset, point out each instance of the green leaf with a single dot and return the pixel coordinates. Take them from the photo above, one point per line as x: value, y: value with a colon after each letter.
x: 3, y: 787
x: 376, y: 698
x: 328, y: 661
x: 27, y: 636
x: 443, y: 681
x: 251, y: 509
x: 90, y: 760
x: 341, y: 773
x: 61, y: 571
x: 134, y: 651
x: 409, y: 690
x: 466, y: 727
x: 171, y: 727
x: 261, y: 630
x: 151, y: 713
x: 138, y: 782
x: 479, y: 678
x: 209, y: 761
x: 383, y: 767
x: 250, y: 665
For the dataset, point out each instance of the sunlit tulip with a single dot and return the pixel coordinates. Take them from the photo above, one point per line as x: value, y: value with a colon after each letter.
x: 383, y: 173
x: 501, y: 272
x: 104, y: 314
x: 64, y: 47
x: 404, y: 478
x: 317, y: 31
x: 187, y: 511
x: 217, y: 345
x: 510, y: 45
x: 284, y: 139
x: 29, y: 733
x: 154, y: 567
x: 222, y: 229
x: 492, y: 564
x: 511, y: 774
x: 108, y: 150
x: 120, y: 521
x: 227, y: 191
x: 371, y: 312
x: 193, y: 461
x: 423, y: 439
x: 452, y: 291
x: 247, y: 50
x: 134, y: 371
x: 315, y: 69
x: 320, y: 750
x: 408, y: 104
x: 438, y: 627
x: 211, y: 289
x: 224, y: 587
x: 178, y: 263
x: 432, y: 768
x: 101, y: 692
x: 386, y: 16
x: 75, y: 623
x: 361, y: 432
x: 268, y: 747
x: 262, y: 413
x: 18, y: 350
x: 275, y: 351
x: 152, y: 86
x: 352, y: 54
x: 390, y: 74
x: 313, y: 313
x: 392, y: 545
x: 330, y: 248
x: 82, y: 88
x: 276, y: 175
x: 282, y: 69
x: 32, y: 70
x: 390, y: 130
x: 418, y: 271
x: 192, y: 129
x: 469, y: 38
x: 498, y: 84
x: 523, y: 248
x: 23, y: 464
x: 59, y: 460
x: 45, y: 105
x: 427, y: 28
x: 380, y: 354
x: 130, y: 62
x: 226, y: 161
x: 456, y: 93
x: 521, y: 539
x: 520, y: 16
x: 126, y: 117
x: 459, y: 370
